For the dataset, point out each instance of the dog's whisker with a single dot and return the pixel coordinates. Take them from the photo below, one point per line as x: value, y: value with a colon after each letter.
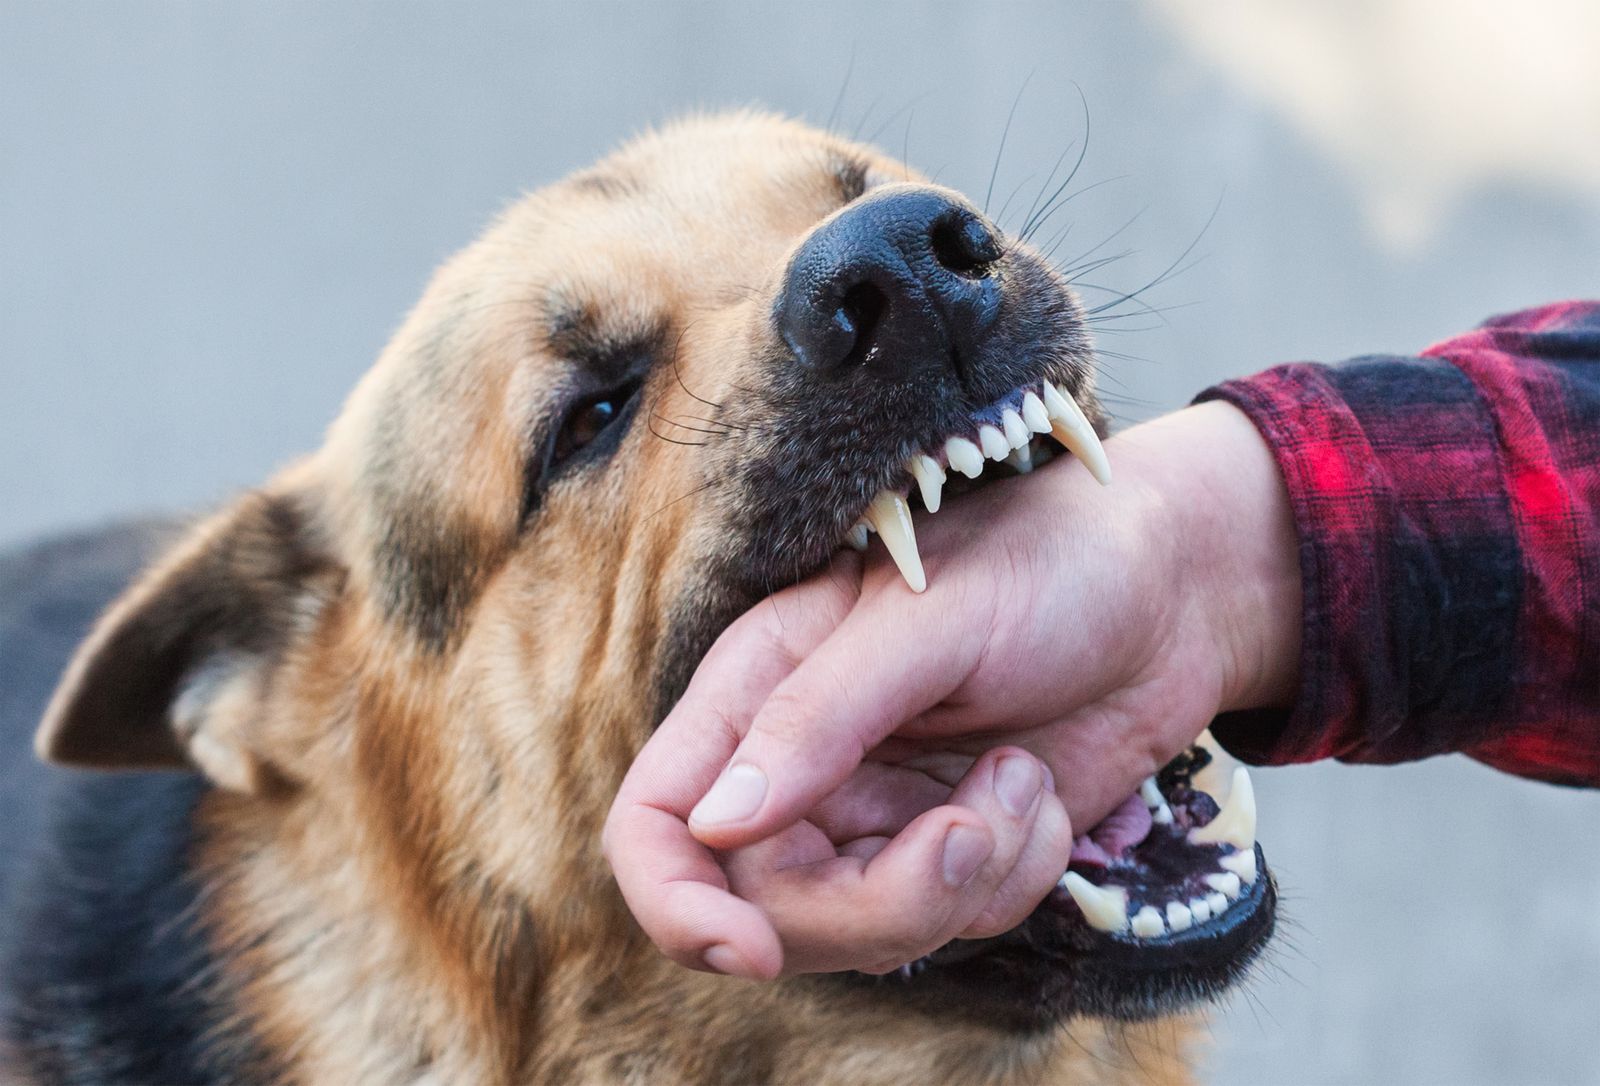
x: 685, y: 426
x: 1083, y: 150
x: 1000, y: 152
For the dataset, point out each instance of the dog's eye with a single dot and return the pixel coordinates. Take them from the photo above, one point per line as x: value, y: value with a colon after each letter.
x: 588, y: 421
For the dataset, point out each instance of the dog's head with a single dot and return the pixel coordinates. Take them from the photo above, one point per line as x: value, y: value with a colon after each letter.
x: 649, y: 395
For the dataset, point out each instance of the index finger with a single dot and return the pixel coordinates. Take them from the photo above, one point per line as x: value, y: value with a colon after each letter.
x: 671, y: 882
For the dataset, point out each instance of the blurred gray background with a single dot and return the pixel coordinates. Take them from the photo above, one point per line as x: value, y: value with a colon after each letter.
x: 211, y: 216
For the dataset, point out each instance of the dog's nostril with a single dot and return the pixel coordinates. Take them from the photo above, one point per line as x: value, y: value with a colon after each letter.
x: 964, y: 245
x: 858, y: 315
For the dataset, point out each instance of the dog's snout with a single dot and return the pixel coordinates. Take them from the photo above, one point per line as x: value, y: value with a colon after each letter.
x: 898, y: 283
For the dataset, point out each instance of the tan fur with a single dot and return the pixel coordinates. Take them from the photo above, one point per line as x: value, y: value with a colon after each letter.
x: 421, y: 896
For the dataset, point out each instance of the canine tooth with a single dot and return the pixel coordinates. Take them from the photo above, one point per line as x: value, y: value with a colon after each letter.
x: 1021, y: 460
x: 1200, y: 909
x: 1147, y: 923
x: 891, y: 516
x: 1153, y: 799
x: 964, y: 457
x: 1218, y: 902
x: 1235, y: 824
x: 857, y: 536
x: 1104, y: 907
x: 1214, y: 779
x: 1017, y: 433
x: 1034, y: 414
x: 1179, y: 918
x: 930, y: 480
x: 1072, y: 429
x: 993, y: 442
x: 1242, y: 864
x: 1226, y: 884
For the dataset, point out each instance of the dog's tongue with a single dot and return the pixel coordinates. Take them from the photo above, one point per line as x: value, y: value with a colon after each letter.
x: 1119, y: 831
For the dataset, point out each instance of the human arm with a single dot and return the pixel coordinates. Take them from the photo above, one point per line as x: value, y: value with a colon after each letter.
x: 1447, y: 508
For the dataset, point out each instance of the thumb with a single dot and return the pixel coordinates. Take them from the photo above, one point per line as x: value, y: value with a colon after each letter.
x: 873, y: 673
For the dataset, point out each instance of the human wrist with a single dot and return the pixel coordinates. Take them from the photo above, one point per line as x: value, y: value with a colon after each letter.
x: 1226, y: 513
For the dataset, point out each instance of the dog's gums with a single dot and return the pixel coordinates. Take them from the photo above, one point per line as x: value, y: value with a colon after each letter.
x: 1004, y: 431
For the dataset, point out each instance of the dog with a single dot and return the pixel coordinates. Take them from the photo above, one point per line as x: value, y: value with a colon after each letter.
x: 353, y: 738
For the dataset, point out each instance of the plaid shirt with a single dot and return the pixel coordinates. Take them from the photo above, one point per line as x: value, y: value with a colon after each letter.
x: 1449, y: 515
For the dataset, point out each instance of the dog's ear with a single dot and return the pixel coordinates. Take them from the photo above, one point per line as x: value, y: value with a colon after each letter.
x: 175, y: 672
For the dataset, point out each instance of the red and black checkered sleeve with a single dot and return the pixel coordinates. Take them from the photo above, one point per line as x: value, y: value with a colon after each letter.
x: 1448, y: 507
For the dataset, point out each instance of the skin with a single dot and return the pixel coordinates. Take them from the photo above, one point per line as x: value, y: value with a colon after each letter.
x: 895, y: 770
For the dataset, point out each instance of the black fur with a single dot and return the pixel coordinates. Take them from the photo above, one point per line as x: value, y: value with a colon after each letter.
x: 105, y: 975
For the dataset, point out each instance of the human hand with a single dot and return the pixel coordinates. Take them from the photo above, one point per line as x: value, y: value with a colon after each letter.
x: 873, y: 751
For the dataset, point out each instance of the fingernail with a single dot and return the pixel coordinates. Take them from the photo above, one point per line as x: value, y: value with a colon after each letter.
x: 1016, y: 782
x: 724, y: 959
x: 965, y: 849
x: 735, y: 797
x: 1049, y: 778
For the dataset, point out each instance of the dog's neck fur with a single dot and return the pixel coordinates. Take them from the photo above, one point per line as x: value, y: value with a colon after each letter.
x: 379, y: 969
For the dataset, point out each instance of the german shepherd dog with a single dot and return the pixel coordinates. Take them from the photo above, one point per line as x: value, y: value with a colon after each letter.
x: 355, y: 736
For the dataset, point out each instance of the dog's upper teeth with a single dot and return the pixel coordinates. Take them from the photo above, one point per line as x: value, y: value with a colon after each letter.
x: 1104, y: 907
x: 890, y: 516
x: 1016, y: 431
x: 1235, y: 824
x: 993, y: 442
x: 964, y: 457
x: 930, y: 480
x: 1072, y: 429
x: 1034, y: 414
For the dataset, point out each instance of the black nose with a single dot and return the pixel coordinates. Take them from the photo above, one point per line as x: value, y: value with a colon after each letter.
x: 899, y: 282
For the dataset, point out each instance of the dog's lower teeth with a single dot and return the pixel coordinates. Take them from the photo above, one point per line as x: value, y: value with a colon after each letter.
x: 1242, y: 864
x: 1153, y: 799
x: 1147, y: 923
x: 1235, y: 824
x: 1227, y: 884
x: 1104, y: 907
x: 1107, y: 907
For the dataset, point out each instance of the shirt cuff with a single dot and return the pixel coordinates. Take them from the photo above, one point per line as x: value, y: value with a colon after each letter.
x: 1410, y: 586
